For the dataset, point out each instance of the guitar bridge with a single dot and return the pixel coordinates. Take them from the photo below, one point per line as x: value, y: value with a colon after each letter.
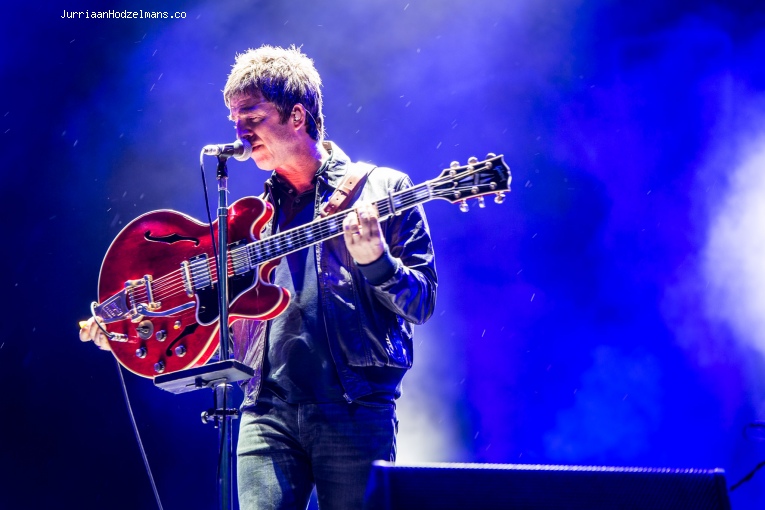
x: 186, y: 276
x: 137, y: 310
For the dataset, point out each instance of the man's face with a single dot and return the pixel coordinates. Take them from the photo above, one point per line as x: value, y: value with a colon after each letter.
x: 257, y: 121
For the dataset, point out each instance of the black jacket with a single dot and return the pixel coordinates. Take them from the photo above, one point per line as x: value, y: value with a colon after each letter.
x: 369, y: 326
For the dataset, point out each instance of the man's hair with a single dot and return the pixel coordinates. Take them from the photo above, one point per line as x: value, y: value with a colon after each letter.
x: 284, y: 77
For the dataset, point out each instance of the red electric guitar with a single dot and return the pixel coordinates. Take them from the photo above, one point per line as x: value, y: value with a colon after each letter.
x: 158, y: 285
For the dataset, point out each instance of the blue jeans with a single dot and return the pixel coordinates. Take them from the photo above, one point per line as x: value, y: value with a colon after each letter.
x: 285, y: 449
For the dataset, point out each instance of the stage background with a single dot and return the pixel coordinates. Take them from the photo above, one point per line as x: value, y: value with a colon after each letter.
x: 611, y: 312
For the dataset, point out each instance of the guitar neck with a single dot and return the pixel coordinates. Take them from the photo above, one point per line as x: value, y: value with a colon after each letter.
x: 297, y: 238
x: 457, y: 184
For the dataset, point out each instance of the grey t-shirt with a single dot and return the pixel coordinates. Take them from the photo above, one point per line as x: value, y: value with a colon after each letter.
x: 298, y: 366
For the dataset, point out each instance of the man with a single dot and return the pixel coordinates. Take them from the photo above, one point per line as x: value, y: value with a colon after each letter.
x: 321, y: 406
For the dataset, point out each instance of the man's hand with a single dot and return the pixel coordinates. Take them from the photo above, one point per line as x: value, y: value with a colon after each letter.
x: 363, y: 237
x: 89, y: 331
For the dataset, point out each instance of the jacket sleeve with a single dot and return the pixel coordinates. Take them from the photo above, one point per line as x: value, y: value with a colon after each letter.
x: 407, y: 268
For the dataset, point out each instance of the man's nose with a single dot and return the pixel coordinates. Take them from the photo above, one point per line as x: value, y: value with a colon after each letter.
x: 242, y: 129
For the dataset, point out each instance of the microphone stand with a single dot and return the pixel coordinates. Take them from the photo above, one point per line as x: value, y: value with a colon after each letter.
x: 218, y: 375
x: 222, y: 387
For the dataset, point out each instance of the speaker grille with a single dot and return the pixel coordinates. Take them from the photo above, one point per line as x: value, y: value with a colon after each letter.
x: 484, y: 486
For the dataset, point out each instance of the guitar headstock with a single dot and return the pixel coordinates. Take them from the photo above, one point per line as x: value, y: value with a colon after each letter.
x: 458, y: 184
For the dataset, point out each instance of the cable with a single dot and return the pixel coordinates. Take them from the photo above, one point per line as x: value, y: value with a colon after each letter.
x: 93, y: 306
x: 122, y: 378
x: 222, y: 424
x: 138, y: 436
x: 748, y: 476
x: 207, y: 205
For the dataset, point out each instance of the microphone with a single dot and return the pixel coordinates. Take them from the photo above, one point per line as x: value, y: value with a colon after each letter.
x: 241, y: 150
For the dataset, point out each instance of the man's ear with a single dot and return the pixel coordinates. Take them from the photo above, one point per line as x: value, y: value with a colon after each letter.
x: 297, y: 116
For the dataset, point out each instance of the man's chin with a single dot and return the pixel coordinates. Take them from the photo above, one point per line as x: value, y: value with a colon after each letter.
x: 265, y: 165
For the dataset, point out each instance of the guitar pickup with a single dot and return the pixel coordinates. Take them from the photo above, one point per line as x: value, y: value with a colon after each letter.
x: 196, y: 274
x: 239, y: 257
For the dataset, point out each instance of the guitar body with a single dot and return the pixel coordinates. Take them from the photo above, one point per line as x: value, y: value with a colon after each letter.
x: 151, y: 296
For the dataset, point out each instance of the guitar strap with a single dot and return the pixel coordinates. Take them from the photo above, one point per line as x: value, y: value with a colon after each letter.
x: 352, y: 181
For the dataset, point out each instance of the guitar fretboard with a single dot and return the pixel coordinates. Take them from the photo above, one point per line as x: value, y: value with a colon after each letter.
x: 320, y: 230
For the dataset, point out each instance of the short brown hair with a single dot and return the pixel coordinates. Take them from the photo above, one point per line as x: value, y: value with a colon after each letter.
x: 284, y: 77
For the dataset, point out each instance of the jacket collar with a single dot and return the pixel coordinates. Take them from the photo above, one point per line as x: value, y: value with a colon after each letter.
x: 337, y: 166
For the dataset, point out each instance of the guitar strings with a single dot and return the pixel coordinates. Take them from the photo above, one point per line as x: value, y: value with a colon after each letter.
x: 173, y: 284
x: 300, y: 237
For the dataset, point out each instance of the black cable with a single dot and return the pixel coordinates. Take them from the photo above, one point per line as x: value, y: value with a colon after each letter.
x: 748, y: 476
x: 223, y: 423
x: 95, y: 319
x: 137, y: 435
x: 122, y: 379
x: 207, y: 206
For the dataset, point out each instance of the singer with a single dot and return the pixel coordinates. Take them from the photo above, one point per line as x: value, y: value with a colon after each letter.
x: 328, y: 370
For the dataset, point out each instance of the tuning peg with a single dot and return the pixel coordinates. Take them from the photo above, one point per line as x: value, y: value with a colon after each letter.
x: 454, y: 164
x: 472, y: 160
x: 499, y: 197
x: 491, y: 155
x: 464, y: 207
x: 481, y: 202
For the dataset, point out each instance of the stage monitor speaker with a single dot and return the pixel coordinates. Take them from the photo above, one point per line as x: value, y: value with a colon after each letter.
x: 528, y: 486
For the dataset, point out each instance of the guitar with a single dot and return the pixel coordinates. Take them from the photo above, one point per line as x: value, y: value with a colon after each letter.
x: 158, y: 286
